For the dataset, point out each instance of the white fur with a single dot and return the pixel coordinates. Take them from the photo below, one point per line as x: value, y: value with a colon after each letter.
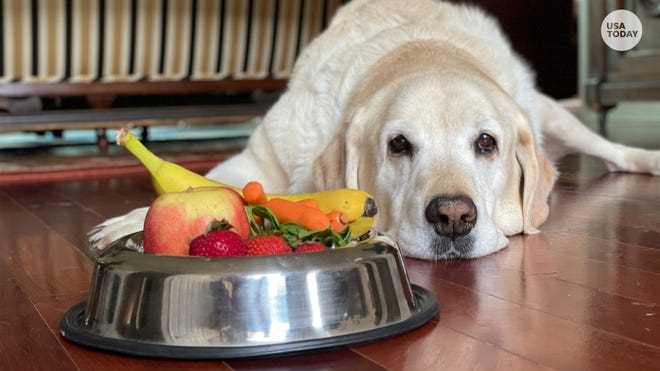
x: 299, y: 127
x: 307, y: 116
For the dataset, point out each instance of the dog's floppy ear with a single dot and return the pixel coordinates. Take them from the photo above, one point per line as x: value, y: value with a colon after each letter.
x: 524, y: 205
x: 546, y: 180
x: 526, y: 155
x: 337, y: 166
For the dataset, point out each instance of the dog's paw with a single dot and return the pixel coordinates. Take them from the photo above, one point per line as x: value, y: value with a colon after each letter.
x: 637, y: 160
x: 104, y: 234
x: 649, y: 162
x: 655, y: 168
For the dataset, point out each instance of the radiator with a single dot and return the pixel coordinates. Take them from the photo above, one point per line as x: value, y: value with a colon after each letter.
x: 155, y: 40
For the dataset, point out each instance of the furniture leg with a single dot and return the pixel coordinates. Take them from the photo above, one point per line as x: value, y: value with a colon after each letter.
x: 102, y: 138
x: 144, y: 134
x: 602, y: 112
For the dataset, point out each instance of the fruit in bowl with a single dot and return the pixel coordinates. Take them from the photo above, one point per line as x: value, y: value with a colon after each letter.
x: 358, y: 207
x: 197, y: 216
x: 218, y: 222
x: 174, y: 219
x: 218, y: 243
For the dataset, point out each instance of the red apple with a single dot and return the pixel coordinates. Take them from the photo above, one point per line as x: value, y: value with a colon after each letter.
x: 175, y: 219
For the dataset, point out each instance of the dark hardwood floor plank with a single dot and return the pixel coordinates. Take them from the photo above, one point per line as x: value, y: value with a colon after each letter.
x: 26, y: 342
x: 72, y: 221
x: 605, y: 199
x: 607, y: 251
x: 616, y: 280
x: 628, y: 235
x: 619, y: 218
x: 613, y: 211
x: 533, y: 255
x: 436, y: 347
x: 630, y: 318
x: 532, y: 334
x: 587, y: 168
x: 43, y: 263
x: 108, y: 198
x: 335, y: 360
x: 52, y: 310
x: 623, y: 186
x: 575, y: 202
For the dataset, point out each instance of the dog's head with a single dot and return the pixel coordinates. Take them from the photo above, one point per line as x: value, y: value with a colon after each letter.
x: 450, y: 160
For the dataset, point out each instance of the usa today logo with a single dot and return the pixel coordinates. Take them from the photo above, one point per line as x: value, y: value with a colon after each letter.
x: 621, y: 30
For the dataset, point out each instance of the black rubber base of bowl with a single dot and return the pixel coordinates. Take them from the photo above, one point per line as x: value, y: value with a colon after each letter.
x: 71, y: 328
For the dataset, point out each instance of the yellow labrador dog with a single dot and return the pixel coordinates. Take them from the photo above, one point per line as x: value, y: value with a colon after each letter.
x: 424, y: 105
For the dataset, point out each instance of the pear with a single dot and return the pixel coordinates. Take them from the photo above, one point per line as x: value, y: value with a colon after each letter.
x: 175, y: 219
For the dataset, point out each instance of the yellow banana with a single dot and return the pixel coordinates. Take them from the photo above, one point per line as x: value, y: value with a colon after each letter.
x: 167, y: 177
x: 361, y: 226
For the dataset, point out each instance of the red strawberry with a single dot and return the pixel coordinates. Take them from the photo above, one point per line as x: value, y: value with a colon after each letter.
x: 218, y: 243
x: 267, y: 245
x: 311, y: 247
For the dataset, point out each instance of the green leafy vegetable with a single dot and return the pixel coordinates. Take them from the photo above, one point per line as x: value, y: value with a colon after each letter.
x: 293, y: 234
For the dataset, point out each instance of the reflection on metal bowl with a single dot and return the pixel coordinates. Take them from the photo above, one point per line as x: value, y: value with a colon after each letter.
x: 191, y: 307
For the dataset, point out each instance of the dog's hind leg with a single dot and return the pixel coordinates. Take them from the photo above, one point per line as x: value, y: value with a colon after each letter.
x: 564, y: 134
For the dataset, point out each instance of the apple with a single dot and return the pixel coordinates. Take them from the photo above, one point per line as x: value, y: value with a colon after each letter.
x: 175, y: 219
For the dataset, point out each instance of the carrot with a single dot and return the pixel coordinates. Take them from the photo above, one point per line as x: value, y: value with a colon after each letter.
x: 337, y: 221
x: 253, y: 193
x: 297, y: 213
x: 309, y: 203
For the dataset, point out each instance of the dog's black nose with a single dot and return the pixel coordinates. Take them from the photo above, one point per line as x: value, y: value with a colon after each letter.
x: 452, y: 216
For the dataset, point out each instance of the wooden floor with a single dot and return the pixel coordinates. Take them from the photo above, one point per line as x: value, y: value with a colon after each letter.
x: 582, y: 295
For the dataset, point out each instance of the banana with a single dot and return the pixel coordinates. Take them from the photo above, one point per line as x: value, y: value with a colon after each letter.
x: 361, y: 226
x: 168, y: 177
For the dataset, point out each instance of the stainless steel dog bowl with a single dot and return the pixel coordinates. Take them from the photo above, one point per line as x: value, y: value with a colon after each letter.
x: 197, y: 308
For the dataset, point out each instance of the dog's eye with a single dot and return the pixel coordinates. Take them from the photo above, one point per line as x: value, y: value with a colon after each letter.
x: 399, y: 146
x: 485, y: 144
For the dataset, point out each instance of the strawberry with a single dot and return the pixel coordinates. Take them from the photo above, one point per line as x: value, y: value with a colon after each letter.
x: 267, y: 245
x: 310, y: 247
x: 218, y: 243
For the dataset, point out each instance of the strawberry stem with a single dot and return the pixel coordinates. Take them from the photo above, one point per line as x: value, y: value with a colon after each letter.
x: 218, y: 225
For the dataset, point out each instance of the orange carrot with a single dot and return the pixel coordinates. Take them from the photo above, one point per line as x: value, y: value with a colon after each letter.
x: 309, y: 203
x: 297, y: 213
x: 253, y: 193
x: 337, y: 221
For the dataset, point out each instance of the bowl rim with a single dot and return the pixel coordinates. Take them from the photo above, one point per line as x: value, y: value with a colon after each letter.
x: 72, y: 328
